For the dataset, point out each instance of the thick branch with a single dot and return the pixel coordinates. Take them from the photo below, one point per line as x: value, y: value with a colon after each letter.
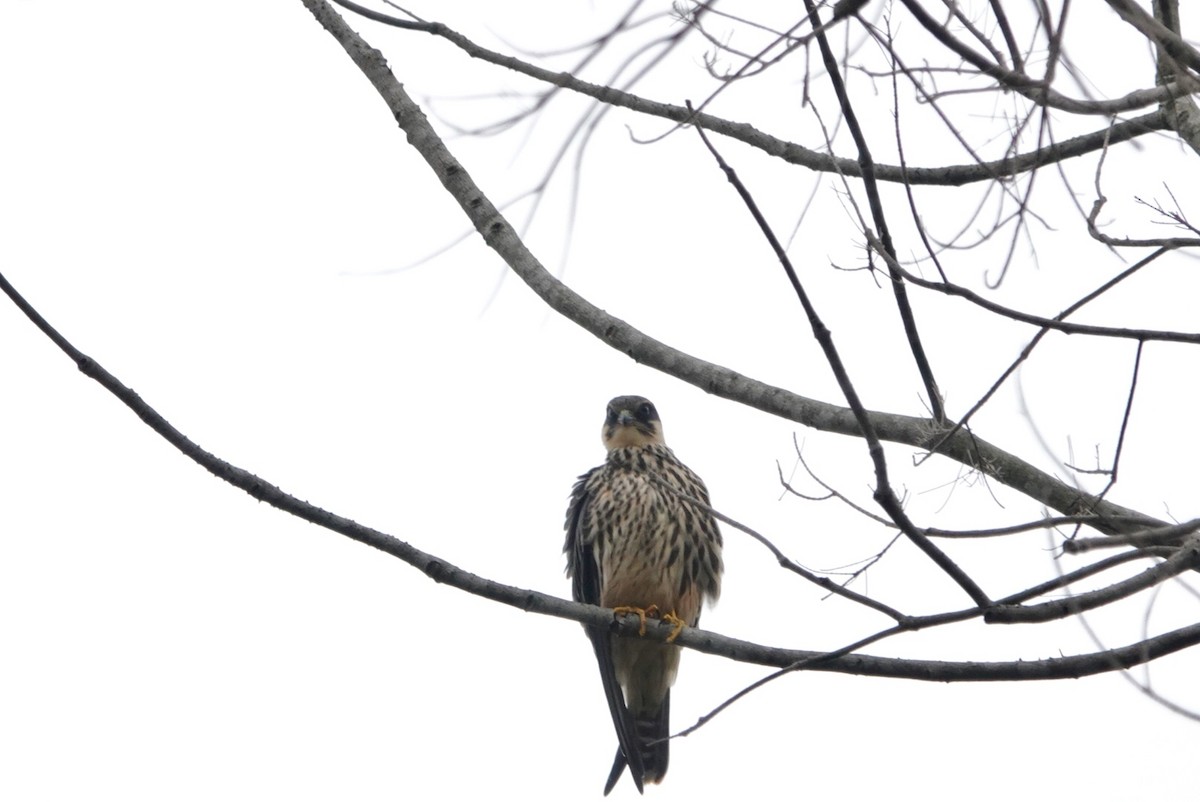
x: 1160, y: 34
x: 968, y: 449
x: 533, y: 601
x: 1181, y: 113
x: 441, y: 571
x: 1162, y: 536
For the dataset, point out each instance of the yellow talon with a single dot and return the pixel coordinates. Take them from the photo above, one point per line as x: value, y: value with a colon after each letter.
x: 624, y: 610
x: 678, y: 623
x: 652, y: 612
x: 641, y: 612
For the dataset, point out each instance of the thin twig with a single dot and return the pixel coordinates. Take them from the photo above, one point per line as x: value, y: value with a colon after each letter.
x: 867, y: 164
x: 884, y: 495
x: 823, y: 582
x: 951, y: 175
x: 1186, y: 558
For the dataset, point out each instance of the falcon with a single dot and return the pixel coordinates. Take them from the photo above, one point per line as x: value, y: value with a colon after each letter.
x: 641, y: 540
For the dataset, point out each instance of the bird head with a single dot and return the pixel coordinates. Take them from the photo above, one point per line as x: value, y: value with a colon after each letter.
x: 631, y: 421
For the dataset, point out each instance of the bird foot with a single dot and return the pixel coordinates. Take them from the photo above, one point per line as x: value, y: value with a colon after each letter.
x: 652, y: 612
x: 641, y: 612
x: 675, y: 621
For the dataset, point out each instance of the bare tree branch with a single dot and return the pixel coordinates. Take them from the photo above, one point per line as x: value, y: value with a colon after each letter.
x: 922, y: 433
x: 533, y: 601
x: 1159, y: 536
x: 1186, y: 558
x: 951, y: 175
x: 885, y: 496
x: 867, y: 165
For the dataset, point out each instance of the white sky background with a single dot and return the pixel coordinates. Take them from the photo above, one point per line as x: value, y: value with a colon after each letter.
x: 212, y: 201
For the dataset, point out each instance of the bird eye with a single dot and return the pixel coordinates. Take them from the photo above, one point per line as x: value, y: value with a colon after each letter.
x: 612, y: 415
x: 645, y: 411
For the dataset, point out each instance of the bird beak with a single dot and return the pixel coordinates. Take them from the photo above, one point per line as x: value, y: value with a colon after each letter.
x: 625, y: 418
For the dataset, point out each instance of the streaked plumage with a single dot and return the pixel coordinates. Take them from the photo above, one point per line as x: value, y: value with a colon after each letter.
x: 631, y: 542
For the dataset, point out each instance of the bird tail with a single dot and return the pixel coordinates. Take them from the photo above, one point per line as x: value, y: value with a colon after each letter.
x: 652, y: 735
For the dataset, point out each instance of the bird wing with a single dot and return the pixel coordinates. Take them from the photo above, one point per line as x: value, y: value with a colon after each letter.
x: 584, y: 570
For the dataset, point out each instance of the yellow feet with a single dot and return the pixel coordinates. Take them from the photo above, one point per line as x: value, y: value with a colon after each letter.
x: 677, y: 622
x: 652, y: 612
x: 641, y: 612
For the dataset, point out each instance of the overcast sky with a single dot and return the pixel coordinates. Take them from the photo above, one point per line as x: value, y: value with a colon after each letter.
x: 212, y: 201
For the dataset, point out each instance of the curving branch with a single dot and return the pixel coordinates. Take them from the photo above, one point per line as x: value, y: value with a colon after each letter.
x: 1186, y: 558
x: 950, y: 176
x: 855, y: 420
x: 1170, y: 41
x: 534, y: 601
x: 1057, y: 323
x: 921, y: 433
x: 1038, y: 90
x: 885, y: 495
x: 1182, y: 112
x: 866, y: 163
